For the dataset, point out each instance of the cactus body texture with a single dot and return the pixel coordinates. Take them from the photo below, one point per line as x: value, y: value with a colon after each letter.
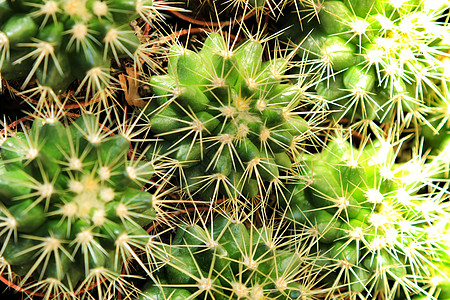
x: 71, y: 207
x: 371, y: 218
x: 57, y: 42
x: 226, y: 117
x: 376, y: 60
x: 227, y: 260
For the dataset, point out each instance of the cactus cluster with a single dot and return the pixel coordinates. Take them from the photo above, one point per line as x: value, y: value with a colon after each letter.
x: 226, y: 260
x: 262, y: 162
x: 373, y: 219
x: 72, y: 206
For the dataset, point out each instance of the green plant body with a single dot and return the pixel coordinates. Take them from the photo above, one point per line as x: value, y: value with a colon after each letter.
x: 225, y: 117
x: 57, y: 42
x: 239, y: 177
x: 371, y: 218
x: 436, y: 135
x: 72, y: 207
x: 227, y: 260
x: 376, y: 60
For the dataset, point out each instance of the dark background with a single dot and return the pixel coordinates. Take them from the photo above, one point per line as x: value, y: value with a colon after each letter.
x: 8, y: 293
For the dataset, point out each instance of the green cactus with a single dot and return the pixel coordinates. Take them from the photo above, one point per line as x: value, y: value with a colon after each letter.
x: 288, y: 213
x: 439, y: 282
x: 376, y: 60
x: 223, y: 259
x: 72, y: 207
x: 225, y: 118
x: 436, y: 135
x: 370, y: 217
x: 58, y: 42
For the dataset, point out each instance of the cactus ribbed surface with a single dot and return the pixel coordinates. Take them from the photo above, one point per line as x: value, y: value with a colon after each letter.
x: 57, y: 42
x: 227, y: 260
x: 226, y: 117
x: 298, y: 151
x: 72, y: 207
x: 373, y: 219
x: 376, y: 60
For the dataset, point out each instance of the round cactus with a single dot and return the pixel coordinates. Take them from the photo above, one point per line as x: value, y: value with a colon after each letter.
x: 439, y: 282
x: 377, y: 60
x: 226, y: 260
x: 371, y: 218
x: 72, y: 207
x: 225, y: 118
x: 57, y: 42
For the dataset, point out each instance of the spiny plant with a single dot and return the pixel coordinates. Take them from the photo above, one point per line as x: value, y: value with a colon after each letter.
x: 59, y: 41
x: 371, y: 218
x: 226, y: 256
x: 436, y: 137
x: 274, y: 8
x: 439, y: 285
x: 72, y: 206
x: 376, y: 60
x: 227, y: 120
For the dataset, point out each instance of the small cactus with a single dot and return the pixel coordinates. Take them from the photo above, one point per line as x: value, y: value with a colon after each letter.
x: 57, y: 42
x: 221, y: 258
x: 225, y: 118
x: 376, y: 60
x: 370, y: 217
x: 72, y: 207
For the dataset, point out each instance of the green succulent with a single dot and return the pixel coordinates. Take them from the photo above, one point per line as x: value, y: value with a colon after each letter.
x: 370, y: 217
x: 225, y: 118
x: 377, y: 60
x: 71, y: 207
x: 226, y: 260
x: 59, y: 41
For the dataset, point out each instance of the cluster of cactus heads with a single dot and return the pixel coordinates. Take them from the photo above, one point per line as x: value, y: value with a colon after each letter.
x: 373, y: 219
x: 229, y: 181
x: 220, y: 258
x: 376, y: 60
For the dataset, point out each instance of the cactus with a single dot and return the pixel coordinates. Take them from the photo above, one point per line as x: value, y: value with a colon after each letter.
x: 436, y: 135
x: 225, y: 118
x: 72, y: 207
x: 439, y: 283
x: 58, y: 42
x: 220, y: 258
x: 371, y: 218
x: 376, y: 60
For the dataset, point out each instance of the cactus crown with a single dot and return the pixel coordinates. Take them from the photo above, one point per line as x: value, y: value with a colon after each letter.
x: 72, y: 205
x: 58, y: 42
x: 224, y: 111
x: 369, y: 216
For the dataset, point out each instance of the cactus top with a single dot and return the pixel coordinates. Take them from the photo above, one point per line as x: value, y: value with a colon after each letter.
x: 226, y: 117
x: 60, y: 41
x: 71, y: 204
